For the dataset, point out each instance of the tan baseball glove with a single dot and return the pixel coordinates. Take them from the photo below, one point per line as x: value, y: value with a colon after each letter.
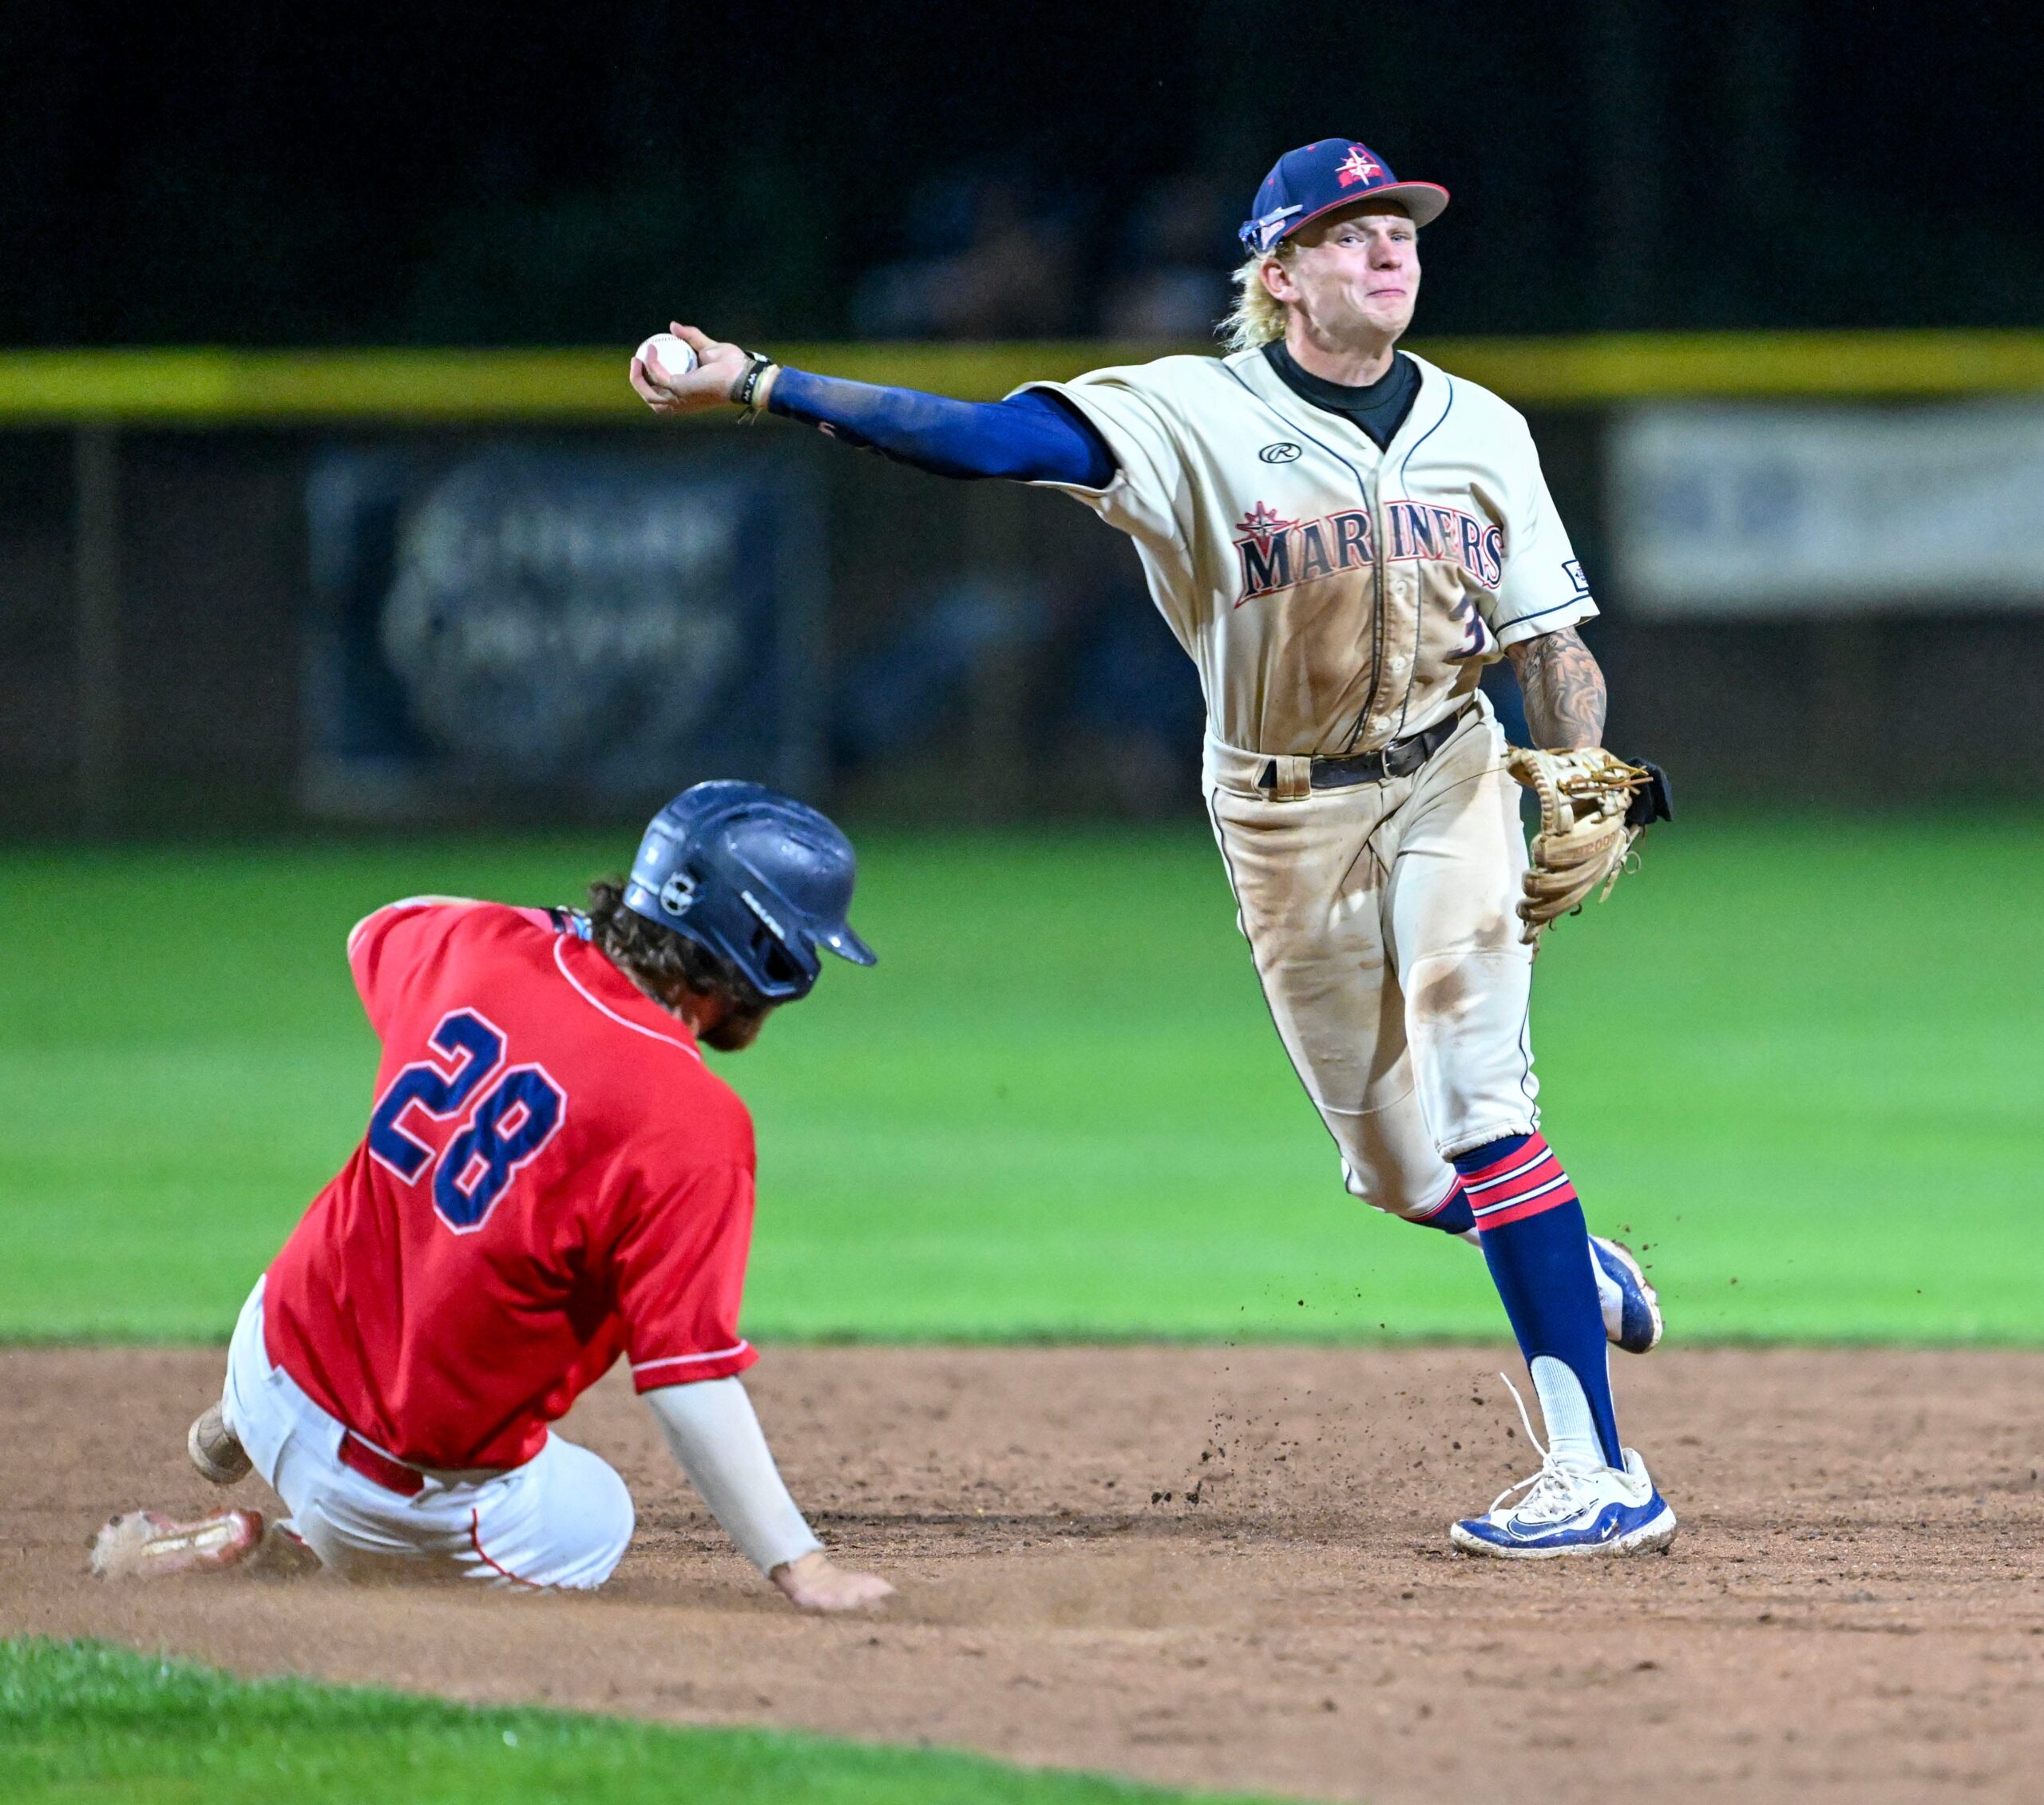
x: 1592, y: 806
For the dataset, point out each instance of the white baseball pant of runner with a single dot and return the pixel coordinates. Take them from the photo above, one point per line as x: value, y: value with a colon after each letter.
x: 1382, y: 919
x: 564, y: 1519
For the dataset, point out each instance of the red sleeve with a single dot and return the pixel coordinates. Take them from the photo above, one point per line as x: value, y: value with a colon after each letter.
x: 385, y: 948
x: 680, y: 1267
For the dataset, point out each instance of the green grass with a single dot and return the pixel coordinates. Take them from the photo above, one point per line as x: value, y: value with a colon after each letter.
x: 82, y: 1723
x: 1803, y: 1062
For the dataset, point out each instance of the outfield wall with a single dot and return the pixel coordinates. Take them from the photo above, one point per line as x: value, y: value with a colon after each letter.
x: 977, y: 651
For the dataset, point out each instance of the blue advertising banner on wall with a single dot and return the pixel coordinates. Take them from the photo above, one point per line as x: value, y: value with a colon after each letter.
x: 555, y: 631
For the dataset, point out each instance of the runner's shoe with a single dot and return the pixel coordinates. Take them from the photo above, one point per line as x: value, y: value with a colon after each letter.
x: 215, y: 1451
x: 146, y: 1545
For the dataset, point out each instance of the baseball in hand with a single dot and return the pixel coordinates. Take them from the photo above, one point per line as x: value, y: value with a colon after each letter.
x: 665, y: 358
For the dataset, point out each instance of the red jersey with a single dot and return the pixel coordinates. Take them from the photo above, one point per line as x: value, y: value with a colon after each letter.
x: 551, y: 1176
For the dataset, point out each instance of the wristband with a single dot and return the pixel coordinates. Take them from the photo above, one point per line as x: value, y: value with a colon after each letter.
x: 745, y: 390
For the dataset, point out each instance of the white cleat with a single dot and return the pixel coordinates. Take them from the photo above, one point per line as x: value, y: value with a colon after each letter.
x: 1571, y: 1510
x: 1631, y: 1307
x: 146, y: 1545
x: 1605, y: 1510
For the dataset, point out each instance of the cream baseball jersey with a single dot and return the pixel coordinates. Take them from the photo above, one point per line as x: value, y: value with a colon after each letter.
x: 1335, y: 597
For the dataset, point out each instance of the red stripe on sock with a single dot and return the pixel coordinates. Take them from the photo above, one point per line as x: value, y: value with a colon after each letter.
x: 1521, y: 1160
x: 1542, y: 1179
x: 1524, y: 1183
x: 1536, y: 1206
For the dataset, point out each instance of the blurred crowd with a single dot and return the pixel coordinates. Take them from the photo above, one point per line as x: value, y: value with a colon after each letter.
x: 1075, y: 675
x: 996, y: 255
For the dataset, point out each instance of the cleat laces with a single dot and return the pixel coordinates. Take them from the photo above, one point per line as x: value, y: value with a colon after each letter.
x: 1553, y: 1494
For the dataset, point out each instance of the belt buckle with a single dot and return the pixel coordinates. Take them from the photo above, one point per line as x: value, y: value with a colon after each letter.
x: 1423, y: 745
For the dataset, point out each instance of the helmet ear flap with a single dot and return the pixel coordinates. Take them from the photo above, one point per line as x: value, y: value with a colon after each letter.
x: 780, y: 966
x: 788, y: 966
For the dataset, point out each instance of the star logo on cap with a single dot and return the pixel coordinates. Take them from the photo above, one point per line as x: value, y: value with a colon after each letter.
x: 1357, y: 166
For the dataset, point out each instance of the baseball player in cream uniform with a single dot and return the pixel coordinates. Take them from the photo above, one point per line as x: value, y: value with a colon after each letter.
x: 1341, y: 535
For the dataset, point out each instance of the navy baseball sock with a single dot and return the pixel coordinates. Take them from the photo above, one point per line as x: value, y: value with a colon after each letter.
x: 1451, y: 1215
x: 1538, y: 1249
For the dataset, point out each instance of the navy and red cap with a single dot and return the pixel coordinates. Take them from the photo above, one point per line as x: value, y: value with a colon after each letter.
x: 1330, y: 172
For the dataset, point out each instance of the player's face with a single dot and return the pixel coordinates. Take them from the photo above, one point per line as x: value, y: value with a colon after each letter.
x: 1355, y: 275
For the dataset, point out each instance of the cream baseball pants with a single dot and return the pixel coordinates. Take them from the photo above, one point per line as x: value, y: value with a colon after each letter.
x: 1381, y: 917
x: 564, y: 1519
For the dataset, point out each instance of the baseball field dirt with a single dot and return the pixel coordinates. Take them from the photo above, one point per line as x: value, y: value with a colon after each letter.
x: 1213, y: 1566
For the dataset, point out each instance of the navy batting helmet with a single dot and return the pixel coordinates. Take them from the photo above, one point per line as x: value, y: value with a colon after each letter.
x: 756, y: 877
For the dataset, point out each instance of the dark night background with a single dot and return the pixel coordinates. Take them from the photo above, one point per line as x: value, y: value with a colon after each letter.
x: 271, y: 176
x: 385, y: 174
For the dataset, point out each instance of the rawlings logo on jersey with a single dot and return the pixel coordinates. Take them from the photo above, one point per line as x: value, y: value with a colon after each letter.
x: 1276, y: 553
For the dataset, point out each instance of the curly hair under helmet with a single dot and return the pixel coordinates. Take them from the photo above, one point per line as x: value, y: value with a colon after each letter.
x: 1257, y: 317
x: 664, y: 964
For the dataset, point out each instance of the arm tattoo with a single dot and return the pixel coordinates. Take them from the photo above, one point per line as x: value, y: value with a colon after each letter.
x: 1563, y: 688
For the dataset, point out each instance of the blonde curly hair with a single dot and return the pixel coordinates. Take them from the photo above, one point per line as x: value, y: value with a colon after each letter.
x: 1257, y: 316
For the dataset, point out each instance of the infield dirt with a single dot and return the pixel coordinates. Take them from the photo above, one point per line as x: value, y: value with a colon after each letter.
x: 1215, y: 1566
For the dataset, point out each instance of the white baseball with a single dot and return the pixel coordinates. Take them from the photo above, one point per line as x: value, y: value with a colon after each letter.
x: 665, y: 358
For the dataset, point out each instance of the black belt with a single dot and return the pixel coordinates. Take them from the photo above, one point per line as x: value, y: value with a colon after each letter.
x: 1400, y: 759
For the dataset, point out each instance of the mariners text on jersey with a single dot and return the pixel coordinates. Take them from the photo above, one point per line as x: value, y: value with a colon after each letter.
x: 1267, y: 569
x: 1277, y: 552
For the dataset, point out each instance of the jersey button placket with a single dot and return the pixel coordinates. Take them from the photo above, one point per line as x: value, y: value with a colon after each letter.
x: 1372, y: 723
x: 1412, y: 591
x: 1389, y: 689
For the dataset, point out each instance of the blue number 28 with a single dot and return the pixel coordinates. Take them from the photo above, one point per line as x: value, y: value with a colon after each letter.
x: 509, y: 1127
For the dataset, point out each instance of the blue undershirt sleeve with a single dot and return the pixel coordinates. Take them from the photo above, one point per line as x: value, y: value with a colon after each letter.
x: 1032, y: 437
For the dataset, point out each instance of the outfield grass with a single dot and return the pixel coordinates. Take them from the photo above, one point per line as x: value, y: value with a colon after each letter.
x: 83, y: 1724
x: 1803, y: 1062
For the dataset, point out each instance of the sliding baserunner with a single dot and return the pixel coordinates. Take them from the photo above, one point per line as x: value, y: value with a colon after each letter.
x: 552, y: 1179
x: 1342, y: 536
